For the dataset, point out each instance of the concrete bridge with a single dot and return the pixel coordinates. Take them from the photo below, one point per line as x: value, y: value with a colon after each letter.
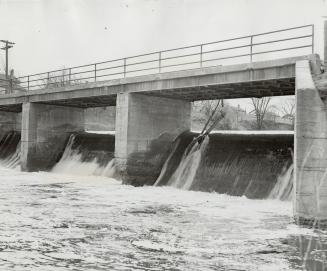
x: 152, y: 109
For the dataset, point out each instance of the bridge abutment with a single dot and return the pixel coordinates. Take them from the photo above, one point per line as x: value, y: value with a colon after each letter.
x: 310, y: 206
x: 145, y: 127
x: 45, y: 130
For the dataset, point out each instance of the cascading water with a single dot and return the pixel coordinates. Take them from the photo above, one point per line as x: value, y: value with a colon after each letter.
x: 88, y: 154
x: 256, y: 165
x: 284, y: 185
x: 184, y: 175
x: 10, y: 150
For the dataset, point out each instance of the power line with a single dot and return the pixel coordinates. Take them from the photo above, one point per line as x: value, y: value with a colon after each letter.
x: 8, y: 45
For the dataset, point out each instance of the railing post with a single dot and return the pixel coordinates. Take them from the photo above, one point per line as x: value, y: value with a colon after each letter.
x: 95, y: 72
x: 10, y: 85
x: 124, y: 67
x: 70, y: 75
x: 251, y: 48
x: 28, y: 82
x: 313, y: 39
x: 159, y: 62
x: 201, y: 54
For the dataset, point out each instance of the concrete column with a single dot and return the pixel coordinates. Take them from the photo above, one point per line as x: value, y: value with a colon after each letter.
x: 145, y: 127
x: 310, y: 204
x: 45, y: 130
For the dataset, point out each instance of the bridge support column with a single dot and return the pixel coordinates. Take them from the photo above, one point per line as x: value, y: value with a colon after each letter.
x: 310, y: 204
x: 45, y: 130
x: 145, y: 127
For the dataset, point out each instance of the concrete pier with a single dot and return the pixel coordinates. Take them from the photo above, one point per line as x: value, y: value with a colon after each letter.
x: 145, y: 127
x: 45, y: 130
x: 310, y: 201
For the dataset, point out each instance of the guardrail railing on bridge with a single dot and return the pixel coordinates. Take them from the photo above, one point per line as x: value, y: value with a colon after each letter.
x: 244, y: 49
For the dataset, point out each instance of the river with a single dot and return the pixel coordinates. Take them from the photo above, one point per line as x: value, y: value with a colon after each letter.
x: 61, y: 222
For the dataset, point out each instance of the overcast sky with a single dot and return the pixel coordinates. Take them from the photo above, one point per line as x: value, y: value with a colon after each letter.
x: 51, y: 34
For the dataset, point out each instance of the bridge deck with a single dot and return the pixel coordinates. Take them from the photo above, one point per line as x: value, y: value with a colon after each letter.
x: 257, y: 79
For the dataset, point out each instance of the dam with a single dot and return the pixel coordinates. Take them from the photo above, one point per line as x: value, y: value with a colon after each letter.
x: 152, y: 94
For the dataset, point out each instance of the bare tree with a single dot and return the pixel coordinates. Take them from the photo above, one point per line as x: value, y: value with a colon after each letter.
x: 260, y: 108
x: 209, y: 106
x: 288, y: 110
x: 60, y: 79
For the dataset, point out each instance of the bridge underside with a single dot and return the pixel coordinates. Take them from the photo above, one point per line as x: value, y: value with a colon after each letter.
x: 252, y: 89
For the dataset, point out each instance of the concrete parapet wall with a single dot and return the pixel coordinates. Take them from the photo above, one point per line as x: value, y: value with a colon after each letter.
x: 310, y: 149
x: 145, y: 127
x: 45, y: 130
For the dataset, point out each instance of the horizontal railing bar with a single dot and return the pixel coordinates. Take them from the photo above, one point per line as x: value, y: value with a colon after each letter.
x: 226, y: 49
x: 108, y: 68
x: 228, y: 57
x: 282, y: 30
x: 181, y: 64
x: 284, y: 49
x: 74, y: 73
x: 146, y: 69
x: 109, y: 74
x: 142, y: 62
x: 274, y: 41
x: 180, y: 56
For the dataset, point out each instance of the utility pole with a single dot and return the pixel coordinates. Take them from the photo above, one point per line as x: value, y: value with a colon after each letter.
x: 8, y: 45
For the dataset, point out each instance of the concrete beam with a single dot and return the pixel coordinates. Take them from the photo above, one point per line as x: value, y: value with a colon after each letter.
x: 310, y: 202
x: 158, y: 84
x: 145, y: 127
x: 45, y: 130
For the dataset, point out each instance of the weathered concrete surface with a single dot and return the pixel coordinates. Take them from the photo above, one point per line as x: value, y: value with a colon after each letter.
x: 100, y: 118
x: 10, y: 121
x: 45, y: 130
x: 257, y: 79
x: 145, y: 127
x: 310, y: 150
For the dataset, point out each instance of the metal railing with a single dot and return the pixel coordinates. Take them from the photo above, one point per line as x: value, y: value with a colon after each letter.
x: 6, y: 85
x: 245, y: 49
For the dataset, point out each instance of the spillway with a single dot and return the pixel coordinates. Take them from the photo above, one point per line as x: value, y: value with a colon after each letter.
x: 88, y: 154
x: 255, y: 165
x: 10, y: 150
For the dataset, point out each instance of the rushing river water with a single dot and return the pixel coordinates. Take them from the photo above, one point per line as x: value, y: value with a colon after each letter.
x: 61, y: 222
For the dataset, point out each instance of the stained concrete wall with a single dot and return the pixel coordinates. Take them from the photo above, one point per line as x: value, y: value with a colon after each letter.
x: 45, y: 131
x: 100, y: 118
x: 9, y: 121
x: 145, y: 127
x: 310, y: 149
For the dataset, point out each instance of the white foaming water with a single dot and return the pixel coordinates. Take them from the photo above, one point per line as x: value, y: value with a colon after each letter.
x: 185, y: 173
x: 59, y: 222
x: 71, y: 163
x: 284, y: 185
